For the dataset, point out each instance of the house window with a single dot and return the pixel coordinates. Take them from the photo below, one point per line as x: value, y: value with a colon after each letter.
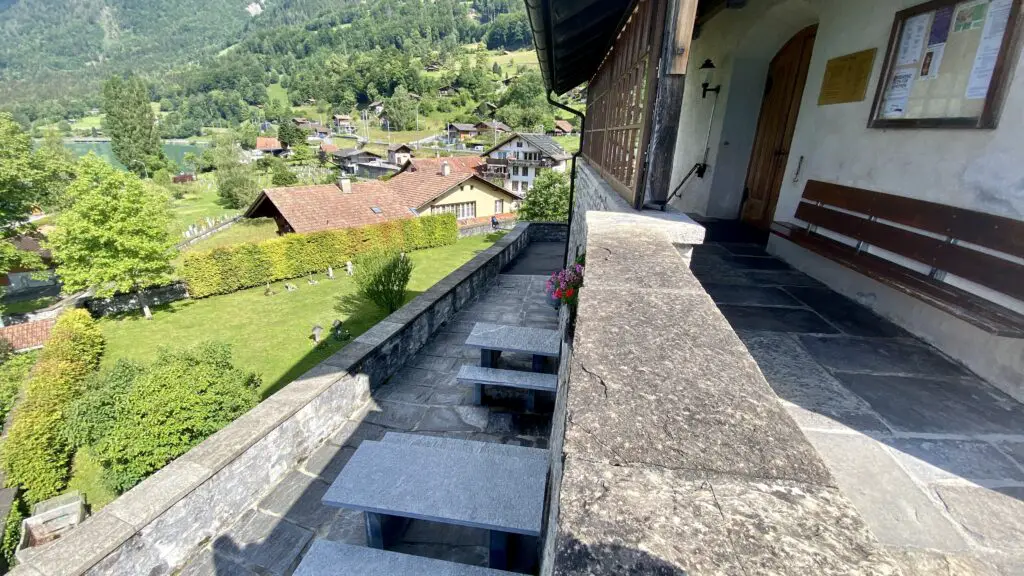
x: 519, y: 143
x: 515, y: 170
x: 499, y: 206
x: 461, y: 210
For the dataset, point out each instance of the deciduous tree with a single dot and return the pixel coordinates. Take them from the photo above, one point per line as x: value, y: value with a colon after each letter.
x: 130, y: 123
x: 113, y: 236
x: 548, y: 201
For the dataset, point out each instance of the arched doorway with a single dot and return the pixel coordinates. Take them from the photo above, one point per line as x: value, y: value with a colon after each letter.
x: 784, y: 88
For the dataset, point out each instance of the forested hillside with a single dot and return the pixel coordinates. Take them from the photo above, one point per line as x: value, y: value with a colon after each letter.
x: 208, y: 62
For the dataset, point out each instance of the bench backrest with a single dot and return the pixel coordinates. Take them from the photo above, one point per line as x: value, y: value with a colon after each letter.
x: 872, y: 224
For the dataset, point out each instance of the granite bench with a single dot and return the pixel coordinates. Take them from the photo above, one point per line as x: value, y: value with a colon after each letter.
x: 337, y: 559
x: 495, y: 489
x: 479, y: 376
x: 459, y: 445
x: 493, y: 339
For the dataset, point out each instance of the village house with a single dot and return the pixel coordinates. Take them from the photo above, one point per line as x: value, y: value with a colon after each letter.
x: 326, y: 151
x: 461, y: 132
x: 268, y: 146
x: 516, y: 161
x: 347, y: 158
x: 399, y: 154
x: 342, y: 122
x: 431, y: 186
x: 377, y: 107
x: 495, y: 126
x: 562, y: 128
x: 20, y: 279
x: 447, y: 91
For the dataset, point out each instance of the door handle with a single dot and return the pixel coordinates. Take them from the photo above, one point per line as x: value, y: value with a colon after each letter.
x: 799, y: 168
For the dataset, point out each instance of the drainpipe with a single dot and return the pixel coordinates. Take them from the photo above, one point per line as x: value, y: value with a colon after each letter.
x: 572, y: 176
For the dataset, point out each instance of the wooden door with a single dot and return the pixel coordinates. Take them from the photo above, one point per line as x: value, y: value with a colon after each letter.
x: 783, y: 90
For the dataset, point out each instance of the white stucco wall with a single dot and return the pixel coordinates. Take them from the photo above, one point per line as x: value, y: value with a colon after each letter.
x: 976, y: 169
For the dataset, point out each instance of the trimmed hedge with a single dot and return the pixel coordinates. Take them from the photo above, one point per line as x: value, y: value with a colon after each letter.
x: 231, y: 268
x: 36, y: 453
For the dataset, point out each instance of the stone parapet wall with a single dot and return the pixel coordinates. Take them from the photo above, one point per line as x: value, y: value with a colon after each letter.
x: 156, y: 526
x: 670, y: 452
x: 121, y: 303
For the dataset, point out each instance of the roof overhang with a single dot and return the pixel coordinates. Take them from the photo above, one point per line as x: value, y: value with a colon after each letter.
x: 573, y: 37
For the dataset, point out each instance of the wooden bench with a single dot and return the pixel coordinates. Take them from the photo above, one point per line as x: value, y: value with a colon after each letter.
x: 479, y: 376
x: 493, y: 339
x: 336, y: 559
x: 397, y: 480
x: 868, y: 218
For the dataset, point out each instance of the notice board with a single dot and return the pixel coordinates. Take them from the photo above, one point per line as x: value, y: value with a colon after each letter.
x: 947, y: 64
x: 846, y: 78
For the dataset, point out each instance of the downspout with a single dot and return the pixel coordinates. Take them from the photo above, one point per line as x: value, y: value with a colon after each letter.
x: 572, y: 176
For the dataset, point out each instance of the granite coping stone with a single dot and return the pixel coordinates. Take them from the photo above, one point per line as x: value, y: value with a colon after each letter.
x: 94, y: 539
x: 347, y: 560
x: 469, y: 446
x: 511, y: 378
x: 645, y: 520
x: 609, y: 266
x: 480, y: 490
x: 537, y: 341
x: 690, y: 397
x: 676, y: 227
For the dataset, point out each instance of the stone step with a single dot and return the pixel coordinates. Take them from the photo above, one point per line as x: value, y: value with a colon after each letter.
x: 536, y: 341
x: 326, y: 558
x: 479, y: 490
x: 509, y: 378
x: 470, y: 446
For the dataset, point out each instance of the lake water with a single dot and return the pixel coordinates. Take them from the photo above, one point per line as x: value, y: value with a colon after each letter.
x: 175, y: 151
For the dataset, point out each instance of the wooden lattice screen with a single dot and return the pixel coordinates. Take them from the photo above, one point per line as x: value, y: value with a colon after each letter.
x: 619, y: 100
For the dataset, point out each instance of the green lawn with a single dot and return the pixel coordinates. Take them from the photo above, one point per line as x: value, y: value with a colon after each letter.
x: 200, y: 201
x: 245, y: 230
x: 570, y: 143
x: 271, y: 335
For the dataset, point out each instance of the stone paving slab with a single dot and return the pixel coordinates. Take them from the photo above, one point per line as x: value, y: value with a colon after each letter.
x: 901, y: 514
x: 780, y: 278
x: 494, y: 492
x: 327, y: 461
x: 206, y: 563
x: 977, y: 461
x: 930, y: 563
x: 776, y: 319
x: 269, y: 545
x: 912, y: 404
x: 467, y: 446
x: 845, y: 314
x: 993, y: 517
x: 880, y: 356
x: 749, y: 295
x: 297, y: 499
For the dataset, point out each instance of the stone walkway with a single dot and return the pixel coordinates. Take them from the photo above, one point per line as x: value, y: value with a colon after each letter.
x: 423, y: 398
x: 932, y: 457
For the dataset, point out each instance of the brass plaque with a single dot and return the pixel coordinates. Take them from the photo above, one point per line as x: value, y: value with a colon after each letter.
x: 846, y: 78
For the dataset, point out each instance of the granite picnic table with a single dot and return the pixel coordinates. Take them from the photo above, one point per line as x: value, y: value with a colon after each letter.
x: 495, y: 487
x: 493, y: 339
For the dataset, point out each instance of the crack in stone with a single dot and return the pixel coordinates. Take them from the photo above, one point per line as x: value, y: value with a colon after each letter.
x: 600, y: 380
x: 732, y: 545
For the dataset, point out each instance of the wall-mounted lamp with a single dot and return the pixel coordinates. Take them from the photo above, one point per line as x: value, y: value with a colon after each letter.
x: 707, y: 70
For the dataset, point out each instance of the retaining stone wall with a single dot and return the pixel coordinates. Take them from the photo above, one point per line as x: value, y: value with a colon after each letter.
x: 121, y: 303
x: 156, y: 526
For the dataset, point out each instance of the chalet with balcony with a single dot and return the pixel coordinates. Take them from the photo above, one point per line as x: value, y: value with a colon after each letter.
x: 460, y: 132
x: 517, y: 160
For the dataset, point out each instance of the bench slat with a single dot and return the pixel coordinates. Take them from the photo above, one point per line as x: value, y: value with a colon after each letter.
x: 337, y: 559
x: 479, y: 490
x: 970, y: 308
x: 536, y: 341
x: 988, y: 230
x: 511, y: 378
x: 991, y: 271
x: 471, y: 446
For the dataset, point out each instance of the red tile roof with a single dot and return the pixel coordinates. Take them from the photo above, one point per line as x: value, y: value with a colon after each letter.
x: 425, y: 182
x: 268, y: 144
x: 326, y: 207
x: 28, y: 335
x: 466, y: 164
x: 563, y: 125
x: 328, y: 148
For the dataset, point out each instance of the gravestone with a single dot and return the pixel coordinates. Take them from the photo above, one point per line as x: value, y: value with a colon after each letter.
x: 318, y: 330
x: 338, y: 331
x: 312, y: 281
x: 290, y: 287
x: 348, y: 267
x: 330, y: 273
x: 269, y: 291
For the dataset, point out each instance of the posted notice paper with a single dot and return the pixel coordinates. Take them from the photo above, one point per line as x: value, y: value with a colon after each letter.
x: 988, y: 50
x: 898, y: 94
x: 915, y: 30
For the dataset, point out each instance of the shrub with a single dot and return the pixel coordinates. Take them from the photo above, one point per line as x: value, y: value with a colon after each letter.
x: 12, y: 531
x: 382, y: 277
x: 172, y: 405
x: 36, y: 454
x: 548, y: 200
x: 13, y: 374
x: 282, y: 176
x: 6, y: 351
x: 230, y: 268
x: 92, y: 416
